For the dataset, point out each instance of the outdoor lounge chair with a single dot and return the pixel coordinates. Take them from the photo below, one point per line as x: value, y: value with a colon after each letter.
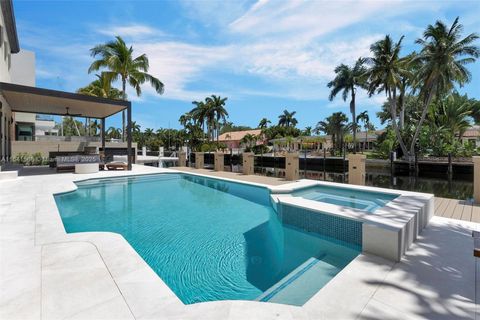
x: 116, y: 165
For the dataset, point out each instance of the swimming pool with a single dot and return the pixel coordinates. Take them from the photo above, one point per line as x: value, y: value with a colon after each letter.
x: 209, y: 239
x: 352, y: 198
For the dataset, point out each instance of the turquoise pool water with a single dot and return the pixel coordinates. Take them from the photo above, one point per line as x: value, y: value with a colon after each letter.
x: 208, y: 239
x: 357, y: 199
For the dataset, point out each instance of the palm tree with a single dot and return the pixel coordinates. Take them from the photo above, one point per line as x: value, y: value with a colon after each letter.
x: 335, y: 125
x: 442, y: 62
x: 149, y: 132
x: 135, y: 127
x: 114, y: 133
x: 386, y: 72
x: 307, y: 131
x: 347, y: 80
x: 101, y: 87
x: 367, y: 125
x: 118, y: 60
x: 249, y: 140
x: 454, y: 116
x: 263, y: 124
x: 218, y: 111
x: 287, y: 119
x: 200, y: 115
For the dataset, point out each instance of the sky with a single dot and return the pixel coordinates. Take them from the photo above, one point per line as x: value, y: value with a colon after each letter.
x: 265, y: 55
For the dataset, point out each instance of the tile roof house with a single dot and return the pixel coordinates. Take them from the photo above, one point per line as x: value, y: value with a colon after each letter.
x: 232, y: 139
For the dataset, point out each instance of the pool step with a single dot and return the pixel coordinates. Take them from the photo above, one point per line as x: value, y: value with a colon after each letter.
x: 301, y: 284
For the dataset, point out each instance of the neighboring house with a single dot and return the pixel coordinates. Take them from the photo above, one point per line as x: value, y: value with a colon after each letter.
x: 233, y: 139
x: 323, y: 142
x: 472, y: 135
x: 33, y: 127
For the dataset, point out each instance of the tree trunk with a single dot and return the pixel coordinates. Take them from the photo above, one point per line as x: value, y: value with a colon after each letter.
x: 75, y: 125
x: 422, y: 119
x: 354, y: 120
x: 393, y: 112
x: 401, y: 100
x: 124, y: 94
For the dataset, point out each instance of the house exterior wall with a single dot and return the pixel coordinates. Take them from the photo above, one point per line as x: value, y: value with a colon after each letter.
x: 8, y: 71
x: 5, y: 55
x: 22, y: 70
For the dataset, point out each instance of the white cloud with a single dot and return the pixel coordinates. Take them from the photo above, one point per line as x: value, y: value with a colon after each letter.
x: 302, y: 21
x: 291, y: 45
x: 178, y: 64
x: 132, y: 30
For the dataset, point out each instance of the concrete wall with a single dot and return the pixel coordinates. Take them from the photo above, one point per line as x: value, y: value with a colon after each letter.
x: 44, y: 147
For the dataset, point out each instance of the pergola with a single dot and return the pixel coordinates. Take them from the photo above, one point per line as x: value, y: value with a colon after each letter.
x: 38, y: 100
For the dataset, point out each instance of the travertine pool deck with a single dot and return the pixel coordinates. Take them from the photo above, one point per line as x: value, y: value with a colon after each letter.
x: 47, y: 274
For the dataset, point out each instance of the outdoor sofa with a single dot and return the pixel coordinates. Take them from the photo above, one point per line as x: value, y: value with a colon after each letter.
x: 67, y: 163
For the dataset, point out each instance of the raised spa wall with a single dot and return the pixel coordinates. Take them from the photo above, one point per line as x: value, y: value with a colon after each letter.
x: 388, y: 232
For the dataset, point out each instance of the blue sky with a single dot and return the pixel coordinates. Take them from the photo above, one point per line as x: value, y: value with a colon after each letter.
x: 265, y: 56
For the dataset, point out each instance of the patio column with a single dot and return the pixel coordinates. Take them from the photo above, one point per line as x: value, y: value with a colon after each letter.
x: 219, y: 161
x: 248, y: 163
x: 292, y: 165
x: 129, y: 136
x: 356, y: 169
x: 199, y: 160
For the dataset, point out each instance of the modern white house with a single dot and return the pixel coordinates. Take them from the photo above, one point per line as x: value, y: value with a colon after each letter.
x: 9, y: 46
x: 26, y: 115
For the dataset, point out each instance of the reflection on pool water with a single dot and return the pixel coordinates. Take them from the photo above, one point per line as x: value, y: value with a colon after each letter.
x: 208, y: 239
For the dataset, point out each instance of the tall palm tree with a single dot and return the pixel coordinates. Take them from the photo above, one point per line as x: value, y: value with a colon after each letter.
x: 264, y: 123
x: 348, y: 80
x: 287, y: 119
x: 201, y: 115
x: 386, y: 72
x: 119, y: 64
x: 217, y: 108
x: 442, y: 61
x: 367, y: 125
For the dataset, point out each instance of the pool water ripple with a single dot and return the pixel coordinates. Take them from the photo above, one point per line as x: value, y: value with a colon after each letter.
x: 207, y: 239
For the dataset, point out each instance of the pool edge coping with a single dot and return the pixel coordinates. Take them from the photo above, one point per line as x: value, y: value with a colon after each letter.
x: 105, y: 241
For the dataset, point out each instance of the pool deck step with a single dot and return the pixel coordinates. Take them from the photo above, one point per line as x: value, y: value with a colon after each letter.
x: 301, y: 284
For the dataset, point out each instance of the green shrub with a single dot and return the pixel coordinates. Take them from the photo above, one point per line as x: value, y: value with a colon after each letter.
x: 21, y: 158
x: 24, y: 158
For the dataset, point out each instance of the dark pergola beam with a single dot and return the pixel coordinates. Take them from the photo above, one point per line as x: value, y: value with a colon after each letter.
x: 103, y: 134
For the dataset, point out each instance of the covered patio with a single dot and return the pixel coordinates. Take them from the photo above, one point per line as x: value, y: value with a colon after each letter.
x: 27, y: 99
